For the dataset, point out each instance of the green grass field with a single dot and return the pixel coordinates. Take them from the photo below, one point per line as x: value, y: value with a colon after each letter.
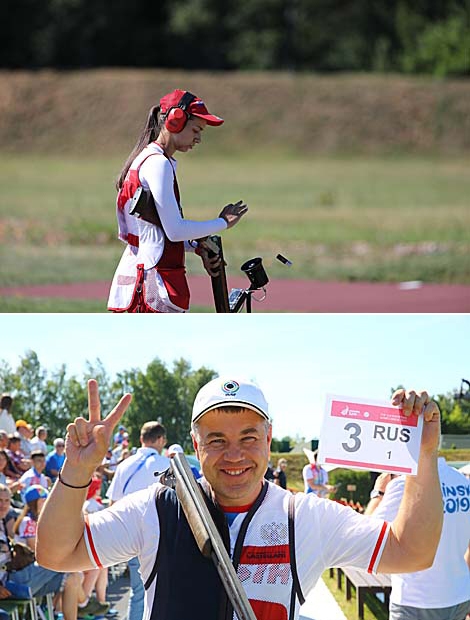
x: 356, y: 218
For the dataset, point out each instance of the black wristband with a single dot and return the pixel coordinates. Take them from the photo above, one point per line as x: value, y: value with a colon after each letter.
x: 71, y: 486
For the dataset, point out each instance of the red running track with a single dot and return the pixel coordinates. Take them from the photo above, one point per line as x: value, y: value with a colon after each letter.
x: 296, y: 295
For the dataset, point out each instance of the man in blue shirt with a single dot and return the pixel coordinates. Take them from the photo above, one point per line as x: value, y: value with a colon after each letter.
x: 55, y: 459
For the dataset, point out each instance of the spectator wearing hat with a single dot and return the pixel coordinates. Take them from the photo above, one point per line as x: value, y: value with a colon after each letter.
x: 35, y: 475
x: 38, y: 442
x: 315, y: 477
x: 25, y: 526
x: 156, y: 244
x: 25, y: 431
x: 55, y: 459
x: 119, y: 436
x: 173, y: 449
x: 7, y: 421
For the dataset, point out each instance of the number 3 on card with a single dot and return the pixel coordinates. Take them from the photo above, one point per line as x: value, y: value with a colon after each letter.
x: 368, y: 434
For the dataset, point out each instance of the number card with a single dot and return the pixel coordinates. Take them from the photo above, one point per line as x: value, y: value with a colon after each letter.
x: 369, y: 434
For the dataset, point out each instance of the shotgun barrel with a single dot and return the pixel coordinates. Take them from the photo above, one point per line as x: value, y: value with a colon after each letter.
x: 213, y: 243
x: 207, y: 536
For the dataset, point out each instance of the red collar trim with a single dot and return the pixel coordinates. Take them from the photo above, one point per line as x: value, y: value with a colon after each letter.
x: 238, y: 509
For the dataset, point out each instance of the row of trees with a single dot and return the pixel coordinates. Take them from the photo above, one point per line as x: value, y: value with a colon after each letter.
x: 53, y: 399
x: 414, y: 36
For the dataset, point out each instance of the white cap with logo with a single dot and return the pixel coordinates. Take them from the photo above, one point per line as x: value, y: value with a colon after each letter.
x: 225, y: 391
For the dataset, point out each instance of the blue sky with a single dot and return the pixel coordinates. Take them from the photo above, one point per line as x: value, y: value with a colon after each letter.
x: 296, y: 358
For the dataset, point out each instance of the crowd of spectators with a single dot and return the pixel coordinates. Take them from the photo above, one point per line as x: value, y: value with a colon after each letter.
x: 29, y: 466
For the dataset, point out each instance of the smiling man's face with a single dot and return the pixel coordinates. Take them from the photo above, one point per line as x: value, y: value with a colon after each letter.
x: 233, y: 449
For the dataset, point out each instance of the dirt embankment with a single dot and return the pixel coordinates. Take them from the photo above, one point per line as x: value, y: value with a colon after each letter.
x: 101, y: 111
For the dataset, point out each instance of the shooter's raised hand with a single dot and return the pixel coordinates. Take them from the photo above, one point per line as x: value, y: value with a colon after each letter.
x: 232, y: 213
x: 88, y: 440
x: 420, y: 403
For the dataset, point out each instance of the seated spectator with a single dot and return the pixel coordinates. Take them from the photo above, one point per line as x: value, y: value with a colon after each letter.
x: 25, y: 431
x: 7, y: 421
x: 40, y: 580
x: 25, y: 525
x: 55, y: 459
x: 7, y: 475
x: 3, y: 440
x: 125, y: 453
x: 35, y: 474
x: 18, y: 461
x: 38, y: 442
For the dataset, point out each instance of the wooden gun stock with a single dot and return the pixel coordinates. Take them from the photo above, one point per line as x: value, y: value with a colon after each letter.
x: 207, y: 536
x: 219, y: 282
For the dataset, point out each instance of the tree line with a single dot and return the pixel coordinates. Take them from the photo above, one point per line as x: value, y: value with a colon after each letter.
x: 405, y: 36
x: 54, y: 398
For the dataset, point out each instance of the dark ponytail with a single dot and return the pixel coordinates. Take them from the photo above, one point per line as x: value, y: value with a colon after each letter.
x: 149, y: 134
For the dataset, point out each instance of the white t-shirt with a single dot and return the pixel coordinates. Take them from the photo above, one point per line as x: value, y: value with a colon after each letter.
x: 326, y: 533
x: 27, y: 529
x: 38, y: 444
x: 318, y: 475
x: 447, y: 582
x: 31, y: 477
x: 136, y: 472
x: 7, y: 422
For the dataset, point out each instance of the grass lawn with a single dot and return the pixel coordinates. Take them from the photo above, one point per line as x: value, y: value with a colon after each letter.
x: 373, y: 609
x: 39, y: 305
x: 376, y: 219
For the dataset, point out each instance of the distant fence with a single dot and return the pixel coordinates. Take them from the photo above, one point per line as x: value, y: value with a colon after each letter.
x: 454, y: 441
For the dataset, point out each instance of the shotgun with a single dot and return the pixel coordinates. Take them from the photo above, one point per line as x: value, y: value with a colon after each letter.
x: 207, y: 536
x: 213, y: 244
x: 143, y: 207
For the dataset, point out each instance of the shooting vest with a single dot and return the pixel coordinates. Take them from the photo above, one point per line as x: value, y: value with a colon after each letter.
x: 132, y: 284
x: 188, y: 585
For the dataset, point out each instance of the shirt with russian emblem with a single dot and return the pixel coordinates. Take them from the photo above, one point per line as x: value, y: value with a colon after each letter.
x: 326, y: 534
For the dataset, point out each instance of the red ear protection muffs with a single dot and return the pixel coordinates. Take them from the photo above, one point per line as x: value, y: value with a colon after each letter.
x: 177, y: 117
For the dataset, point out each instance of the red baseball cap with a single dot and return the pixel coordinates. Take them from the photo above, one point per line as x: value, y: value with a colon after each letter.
x: 197, y: 107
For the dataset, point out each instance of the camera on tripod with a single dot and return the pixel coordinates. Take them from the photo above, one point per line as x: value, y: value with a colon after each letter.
x: 258, y: 278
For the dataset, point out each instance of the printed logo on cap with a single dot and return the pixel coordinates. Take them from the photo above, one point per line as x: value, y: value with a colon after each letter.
x: 230, y: 387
